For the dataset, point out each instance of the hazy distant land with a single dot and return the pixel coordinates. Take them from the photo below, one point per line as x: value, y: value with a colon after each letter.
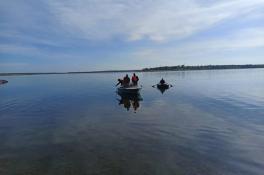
x: 154, y: 69
x: 202, y: 67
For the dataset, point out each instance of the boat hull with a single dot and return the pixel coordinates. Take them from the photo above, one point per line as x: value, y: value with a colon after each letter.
x: 163, y: 86
x: 129, y: 90
x: 130, y: 96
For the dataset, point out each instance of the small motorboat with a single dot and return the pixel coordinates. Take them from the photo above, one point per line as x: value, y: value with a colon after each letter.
x: 129, y: 89
x: 163, y: 86
x: 3, y: 81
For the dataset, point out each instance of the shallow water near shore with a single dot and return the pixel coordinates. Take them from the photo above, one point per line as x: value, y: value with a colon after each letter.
x: 209, y: 122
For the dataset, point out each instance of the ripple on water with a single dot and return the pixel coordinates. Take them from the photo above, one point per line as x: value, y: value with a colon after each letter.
x: 208, y: 123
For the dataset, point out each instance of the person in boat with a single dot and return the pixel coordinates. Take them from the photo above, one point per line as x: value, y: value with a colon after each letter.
x: 126, y: 80
x: 162, y: 81
x: 119, y: 82
x: 134, y: 79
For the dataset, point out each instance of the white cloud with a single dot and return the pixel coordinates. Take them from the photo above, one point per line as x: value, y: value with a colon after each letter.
x: 240, y: 39
x: 36, y: 52
x: 57, y: 30
x: 208, y: 50
x: 17, y: 64
x: 17, y: 49
x: 156, y: 20
x: 19, y: 36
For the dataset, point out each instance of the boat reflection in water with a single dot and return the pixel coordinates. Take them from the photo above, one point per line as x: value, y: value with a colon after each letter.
x: 129, y: 100
x: 163, y: 88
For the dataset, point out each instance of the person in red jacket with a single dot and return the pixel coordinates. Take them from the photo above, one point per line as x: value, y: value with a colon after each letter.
x: 135, y: 79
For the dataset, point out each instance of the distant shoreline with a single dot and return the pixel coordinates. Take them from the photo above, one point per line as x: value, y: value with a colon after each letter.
x: 154, y: 69
x: 202, y: 67
x: 47, y: 73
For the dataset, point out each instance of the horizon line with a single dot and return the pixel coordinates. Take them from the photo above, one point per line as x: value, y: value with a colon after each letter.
x: 157, y: 68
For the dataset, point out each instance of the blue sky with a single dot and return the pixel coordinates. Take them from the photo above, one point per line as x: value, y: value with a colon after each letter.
x: 86, y: 35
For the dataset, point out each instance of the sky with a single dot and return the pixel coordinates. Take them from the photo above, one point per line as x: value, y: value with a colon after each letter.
x: 90, y: 35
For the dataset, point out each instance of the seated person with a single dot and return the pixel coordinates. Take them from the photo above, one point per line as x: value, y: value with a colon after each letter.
x: 162, y: 81
x: 126, y: 80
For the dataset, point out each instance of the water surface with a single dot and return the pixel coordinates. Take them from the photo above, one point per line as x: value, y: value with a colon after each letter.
x: 209, y: 122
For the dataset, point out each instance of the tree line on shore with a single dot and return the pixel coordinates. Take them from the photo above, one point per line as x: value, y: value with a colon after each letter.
x: 202, y: 67
x: 162, y: 68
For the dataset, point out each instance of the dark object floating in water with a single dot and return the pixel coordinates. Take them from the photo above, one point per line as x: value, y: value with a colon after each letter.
x: 129, y: 90
x: 3, y: 81
x: 162, y: 87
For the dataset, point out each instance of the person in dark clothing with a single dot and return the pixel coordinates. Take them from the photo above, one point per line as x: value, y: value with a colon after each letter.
x: 126, y: 81
x: 162, y: 81
x: 119, y: 82
x: 135, y: 79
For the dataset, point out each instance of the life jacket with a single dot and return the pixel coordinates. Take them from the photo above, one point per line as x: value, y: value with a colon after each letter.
x: 135, y: 78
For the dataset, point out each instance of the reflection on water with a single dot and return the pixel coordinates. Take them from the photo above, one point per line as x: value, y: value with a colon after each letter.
x: 210, y: 122
x: 130, y: 100
x: 162, y: 89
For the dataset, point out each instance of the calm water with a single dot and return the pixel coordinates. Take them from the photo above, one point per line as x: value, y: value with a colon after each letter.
x: 209, y: 122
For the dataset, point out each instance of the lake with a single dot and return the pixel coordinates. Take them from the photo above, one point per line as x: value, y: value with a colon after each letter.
x: 209, y: 122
